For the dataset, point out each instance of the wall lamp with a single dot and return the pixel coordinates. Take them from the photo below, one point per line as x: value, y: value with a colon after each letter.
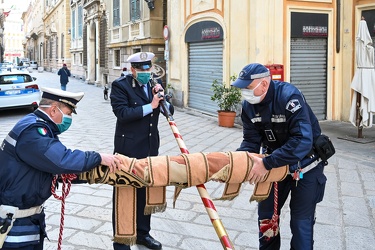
x: 150, y: 4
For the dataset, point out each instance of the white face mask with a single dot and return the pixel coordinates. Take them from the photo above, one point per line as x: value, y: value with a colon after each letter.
x: 248, y: 95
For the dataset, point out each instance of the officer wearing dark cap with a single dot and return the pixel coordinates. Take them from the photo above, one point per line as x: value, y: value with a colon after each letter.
x: 31, y: 155
x: 135, y: 102
x: 277, y: 119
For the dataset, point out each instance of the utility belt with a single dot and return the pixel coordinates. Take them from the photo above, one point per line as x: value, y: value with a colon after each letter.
x: 305, y: 165
x: 8, y: 214
x: 322, y: 150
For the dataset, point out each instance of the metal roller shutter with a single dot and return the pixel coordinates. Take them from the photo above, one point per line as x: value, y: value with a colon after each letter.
x: 308, y: 72
x: 205, y: 65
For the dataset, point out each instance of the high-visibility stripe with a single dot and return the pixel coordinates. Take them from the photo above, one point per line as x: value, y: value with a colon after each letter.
x: 22, y: 238
x: 10, y: 140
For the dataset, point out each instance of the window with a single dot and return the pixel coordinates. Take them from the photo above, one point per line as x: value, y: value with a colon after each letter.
x: 73, y: 24
x: 116, y: 13
x: 50, y: 48
x: 62, y: 45
x: 135, y: 10
x: 9, y: 79
x: 80, y: 58
x: 57, y: 48
x: 80, y: 21
x: 116, y: 59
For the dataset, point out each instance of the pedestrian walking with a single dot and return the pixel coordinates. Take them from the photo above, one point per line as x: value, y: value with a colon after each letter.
x: 64, y: 74
x: 277, y: 118
x: 135, y: 103
x: 31, y: 155
x: 124, y: 71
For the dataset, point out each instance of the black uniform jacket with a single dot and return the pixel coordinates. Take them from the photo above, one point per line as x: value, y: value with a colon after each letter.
x: 135, y: 135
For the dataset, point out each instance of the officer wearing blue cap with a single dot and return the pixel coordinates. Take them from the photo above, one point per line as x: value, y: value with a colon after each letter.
x: 31, y: 155
x: 277, y: 119
x: 135, y: 102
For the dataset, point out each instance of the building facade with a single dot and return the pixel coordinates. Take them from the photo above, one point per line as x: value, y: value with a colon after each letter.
x: 33, y: 29
x: 13, y: 34
x: 47, y: 33
x: 133, y: 26
x: 312, y: 42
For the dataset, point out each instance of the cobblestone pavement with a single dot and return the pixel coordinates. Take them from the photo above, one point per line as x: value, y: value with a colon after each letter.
x: 344, y: 219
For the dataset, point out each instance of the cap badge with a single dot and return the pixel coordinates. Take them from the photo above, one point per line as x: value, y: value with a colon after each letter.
x: 242, y: 73
x: 143, y: 56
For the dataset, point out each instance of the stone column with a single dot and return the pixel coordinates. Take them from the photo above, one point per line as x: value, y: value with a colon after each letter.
x: 97, y: 53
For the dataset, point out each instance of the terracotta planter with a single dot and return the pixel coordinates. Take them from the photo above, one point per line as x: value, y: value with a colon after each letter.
x: 226, y: 118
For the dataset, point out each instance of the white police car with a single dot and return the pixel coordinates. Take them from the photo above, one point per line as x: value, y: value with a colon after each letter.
x: 18, y: 90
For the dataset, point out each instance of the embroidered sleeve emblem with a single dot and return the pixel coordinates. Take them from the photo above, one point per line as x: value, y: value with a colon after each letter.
x: 293, y: 105
x: 42, y: 131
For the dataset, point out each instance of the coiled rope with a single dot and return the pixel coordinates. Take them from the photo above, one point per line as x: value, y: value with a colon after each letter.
x: 66, y: 180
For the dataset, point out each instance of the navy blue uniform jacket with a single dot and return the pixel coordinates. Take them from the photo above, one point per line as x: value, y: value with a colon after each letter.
x: 135, y: 135
x: 294, y: 126
x: 31, y: 155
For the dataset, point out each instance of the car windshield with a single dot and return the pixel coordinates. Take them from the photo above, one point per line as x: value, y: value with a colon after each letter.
x: 10, y: 79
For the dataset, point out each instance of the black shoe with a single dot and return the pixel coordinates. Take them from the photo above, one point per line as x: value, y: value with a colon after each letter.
x: 149, y: 242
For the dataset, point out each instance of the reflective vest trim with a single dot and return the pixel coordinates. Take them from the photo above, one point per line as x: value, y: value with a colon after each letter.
x: 11, y: 141
x: 22, y: 238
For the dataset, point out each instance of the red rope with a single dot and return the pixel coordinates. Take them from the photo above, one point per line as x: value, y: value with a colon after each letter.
x: 270, y: 227
x: 66, y: 183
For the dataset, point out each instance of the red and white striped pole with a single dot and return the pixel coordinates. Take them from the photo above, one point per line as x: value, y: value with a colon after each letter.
x: 207, y: 201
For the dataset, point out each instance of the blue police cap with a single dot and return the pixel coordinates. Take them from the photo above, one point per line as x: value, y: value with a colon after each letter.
x: 141, y: 60
x: 249, y: 73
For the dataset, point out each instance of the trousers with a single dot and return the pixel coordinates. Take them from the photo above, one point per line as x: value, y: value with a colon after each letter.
x: 305, y: 194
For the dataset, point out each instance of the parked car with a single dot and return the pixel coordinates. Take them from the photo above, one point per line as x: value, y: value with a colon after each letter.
x: 5, y: 67
x: 18, y: 90
x: 33, y: 64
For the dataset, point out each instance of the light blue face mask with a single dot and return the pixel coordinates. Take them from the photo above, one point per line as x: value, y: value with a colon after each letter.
x: 143, y: 77
x: 65, y: 123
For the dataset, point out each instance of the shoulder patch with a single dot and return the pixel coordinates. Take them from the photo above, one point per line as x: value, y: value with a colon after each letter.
x: 42, y: 131
x: 293, y: 105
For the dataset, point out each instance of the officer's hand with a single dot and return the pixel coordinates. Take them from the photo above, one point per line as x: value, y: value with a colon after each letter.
x: 112, y: 161
x: 258, y: 171
x: 156, y: 99
x: 157, y: 88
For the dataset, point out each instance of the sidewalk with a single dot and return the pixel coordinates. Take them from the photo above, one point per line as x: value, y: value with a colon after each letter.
x: 344, y: 219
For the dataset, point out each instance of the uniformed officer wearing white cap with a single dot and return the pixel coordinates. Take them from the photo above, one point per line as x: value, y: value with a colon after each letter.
x: 135, y: 102
x: 31, y: 155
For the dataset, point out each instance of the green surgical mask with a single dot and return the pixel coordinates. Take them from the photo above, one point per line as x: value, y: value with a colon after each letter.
x: 65, y: 123
x: 143, y: 77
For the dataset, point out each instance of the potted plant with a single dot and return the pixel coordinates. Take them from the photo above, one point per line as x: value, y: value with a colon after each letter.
x: 227, y: 98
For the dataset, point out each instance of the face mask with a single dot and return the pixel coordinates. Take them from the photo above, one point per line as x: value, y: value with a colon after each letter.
x: 65, y: 123
x: 143, y: 77
x: 248, y: 95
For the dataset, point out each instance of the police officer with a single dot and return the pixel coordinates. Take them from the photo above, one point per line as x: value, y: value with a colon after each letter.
x: 277, y: 119
x: 135, y: 102
x: 30, y: 156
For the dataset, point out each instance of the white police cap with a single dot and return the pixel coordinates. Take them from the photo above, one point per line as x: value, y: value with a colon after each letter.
x: 141, y: 60
x: 69, y: 98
